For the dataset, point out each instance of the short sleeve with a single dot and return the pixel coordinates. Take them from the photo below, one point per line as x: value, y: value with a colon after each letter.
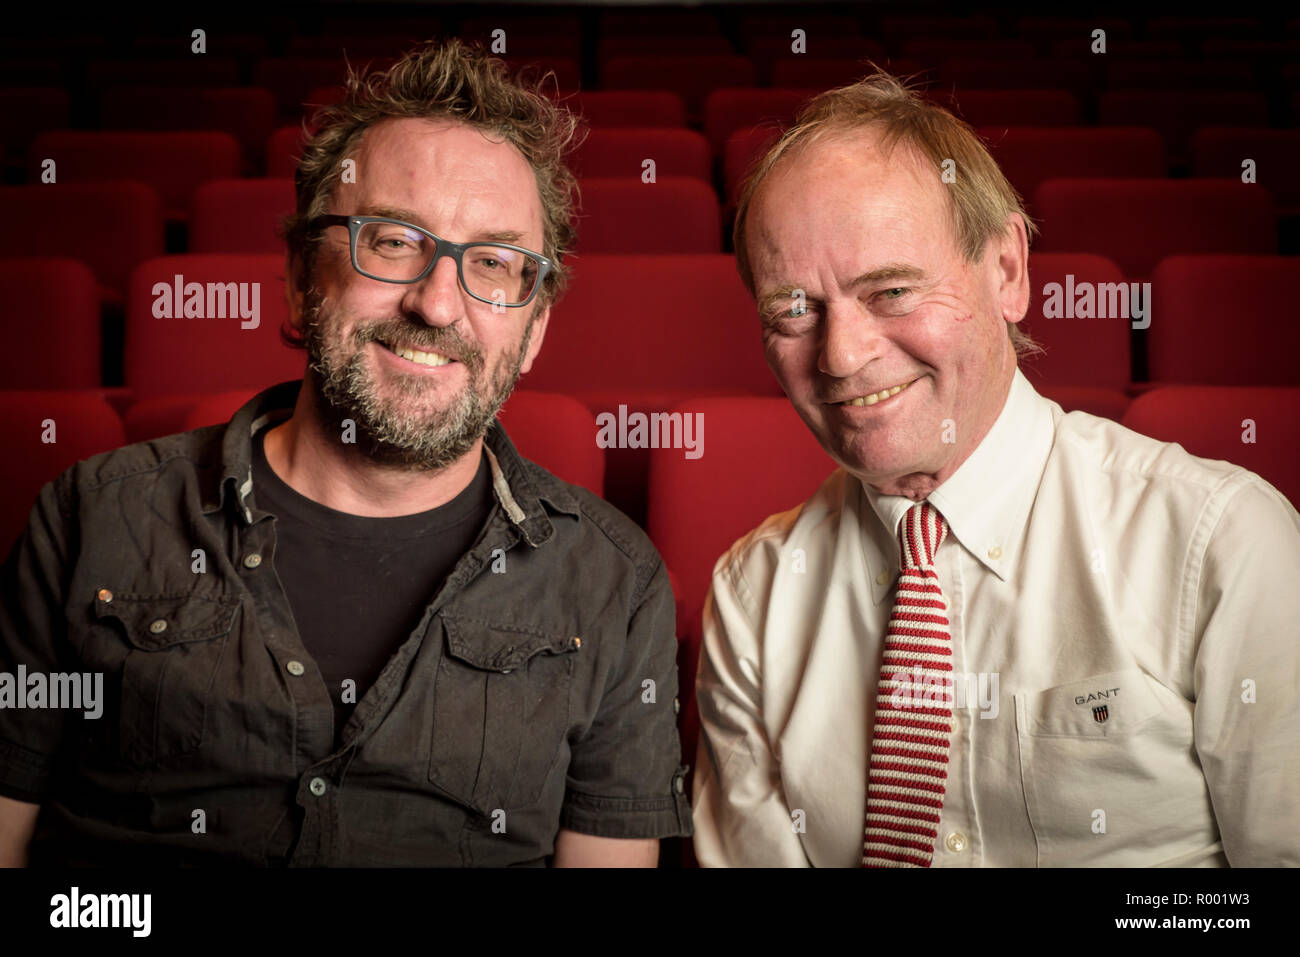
x: 33, y: 639
x: 626, y: 779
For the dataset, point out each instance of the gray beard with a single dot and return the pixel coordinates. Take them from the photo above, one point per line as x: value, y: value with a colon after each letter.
x: 413, y: 443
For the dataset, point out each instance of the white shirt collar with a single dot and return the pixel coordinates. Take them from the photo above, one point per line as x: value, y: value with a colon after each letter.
x: 986, y: 501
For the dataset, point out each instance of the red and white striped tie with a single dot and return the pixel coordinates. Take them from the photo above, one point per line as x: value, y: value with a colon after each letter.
x: 914, y: 701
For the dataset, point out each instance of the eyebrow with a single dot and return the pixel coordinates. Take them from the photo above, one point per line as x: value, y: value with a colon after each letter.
x: 886, y: 273
x: 410, y: 216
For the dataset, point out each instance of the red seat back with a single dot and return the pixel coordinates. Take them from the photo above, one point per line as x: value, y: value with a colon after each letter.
x: 1225, y: 320
x: 1214, y: 422
x: 51, y: 324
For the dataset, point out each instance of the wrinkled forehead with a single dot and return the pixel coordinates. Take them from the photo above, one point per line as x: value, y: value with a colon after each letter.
x: 846, y: 186
x: 448, y: 171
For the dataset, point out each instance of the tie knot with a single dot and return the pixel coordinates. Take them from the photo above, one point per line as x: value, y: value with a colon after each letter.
x: 920, y: 535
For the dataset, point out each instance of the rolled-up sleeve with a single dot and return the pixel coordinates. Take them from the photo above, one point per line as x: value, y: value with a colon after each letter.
x: 742, y: 817
x: 625, y: 778
x: 1247, y: 676
x: 33, y: 630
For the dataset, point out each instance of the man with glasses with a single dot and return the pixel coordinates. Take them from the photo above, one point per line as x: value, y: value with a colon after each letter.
x: 407, y: 645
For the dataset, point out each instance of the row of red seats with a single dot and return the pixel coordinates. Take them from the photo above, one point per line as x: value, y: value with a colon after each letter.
x: 114, y: 226
x: 33, y: 121
x: 1214, y: 319
x: 671, y: 64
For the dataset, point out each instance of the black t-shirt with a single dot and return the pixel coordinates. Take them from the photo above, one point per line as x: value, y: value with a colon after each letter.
x: 358, y: 586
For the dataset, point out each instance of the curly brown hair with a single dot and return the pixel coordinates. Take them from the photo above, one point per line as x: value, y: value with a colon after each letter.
x: 440, y: 79
x: 980, y: 198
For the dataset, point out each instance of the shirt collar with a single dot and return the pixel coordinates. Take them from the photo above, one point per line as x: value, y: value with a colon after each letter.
x: 986, y: 501
x: 519, y: 491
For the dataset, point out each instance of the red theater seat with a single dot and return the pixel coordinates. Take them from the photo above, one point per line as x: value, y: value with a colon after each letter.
x: 246, y: 113
x: 641, y: 108
x: 729, y: 110
x: 171, y: 362
x: 1079, y: 351
x: 824, y: 71
x: 1222, y: 150
x: 83, y: 424
x: 111, y: 227
x: 637, y: 334
x: 691, y: 77
x: 621, y: 153
x: 1030, y: 155
x: 164, y: 72
x: 653, y: 324
x: 175, y: 164
x: 283, y: 150
x: 558, y: 433
x: 1225, y: 320
x: 1212, y: 422
x: 241, y: 215
x: 1010, y: 107
x: 759, y: 459
x: 51, y: 325
x: 1178, y: 114
x: 672, y: 215
x: 743, y: 151
x: 1137, y: 222
x: 1017, y: 74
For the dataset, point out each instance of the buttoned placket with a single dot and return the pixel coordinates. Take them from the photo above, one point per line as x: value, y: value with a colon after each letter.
x: 321, y: 768
x: 959, y: 832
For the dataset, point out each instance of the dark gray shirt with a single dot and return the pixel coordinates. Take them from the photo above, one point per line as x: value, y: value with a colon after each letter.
x: 537, y: 692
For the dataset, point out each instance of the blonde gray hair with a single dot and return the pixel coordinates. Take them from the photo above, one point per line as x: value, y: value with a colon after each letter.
x: 980, y: 198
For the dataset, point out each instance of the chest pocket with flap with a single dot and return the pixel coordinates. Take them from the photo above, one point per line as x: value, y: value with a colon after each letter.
x: 174, y: 646
x: 500, y: 713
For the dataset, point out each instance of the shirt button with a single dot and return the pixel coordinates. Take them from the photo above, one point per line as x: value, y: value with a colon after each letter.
x: 317, y: 786
x: 679, y: 785
x: 883, y: 577
x: 677, y: 705
x: 158, y: 626
x: 253, y: 560
x: 956, y: 842
x: 295, y: 668
x: 995, y: 553
x: 104, y: 595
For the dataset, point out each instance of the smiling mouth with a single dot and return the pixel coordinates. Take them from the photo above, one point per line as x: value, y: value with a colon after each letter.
x: 875, y: 397
x: 418, y: 356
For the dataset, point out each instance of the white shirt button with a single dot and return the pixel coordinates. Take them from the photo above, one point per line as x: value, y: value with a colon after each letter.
x: 253, y: 560
x: 995, y: 552
x: 317, y: 786
x: 295, y: 668
x: 956, y: 842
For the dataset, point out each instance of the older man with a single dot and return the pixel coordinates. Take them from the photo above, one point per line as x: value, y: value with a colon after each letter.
x: 404, y: 645
x: 1000, y: 635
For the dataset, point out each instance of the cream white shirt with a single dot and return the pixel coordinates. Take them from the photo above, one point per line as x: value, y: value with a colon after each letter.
x: 1086, y: 566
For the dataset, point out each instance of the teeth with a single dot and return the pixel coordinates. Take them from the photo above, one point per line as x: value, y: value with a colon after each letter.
x: 877, y: 396
x: 423, y: 358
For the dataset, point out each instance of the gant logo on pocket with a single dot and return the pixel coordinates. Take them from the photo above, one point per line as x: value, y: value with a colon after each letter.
x: 1100, y: 713
x: 1099, y: 695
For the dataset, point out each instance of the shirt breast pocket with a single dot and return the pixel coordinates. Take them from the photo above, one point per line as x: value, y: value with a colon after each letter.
x: 1096, y: 761
x: 174, y: 645
x: 500, y: 713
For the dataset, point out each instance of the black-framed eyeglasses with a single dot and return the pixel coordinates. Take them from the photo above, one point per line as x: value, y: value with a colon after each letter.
x: 391, y: 250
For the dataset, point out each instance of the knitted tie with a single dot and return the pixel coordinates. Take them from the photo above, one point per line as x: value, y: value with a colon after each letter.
x: 914, y: 700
